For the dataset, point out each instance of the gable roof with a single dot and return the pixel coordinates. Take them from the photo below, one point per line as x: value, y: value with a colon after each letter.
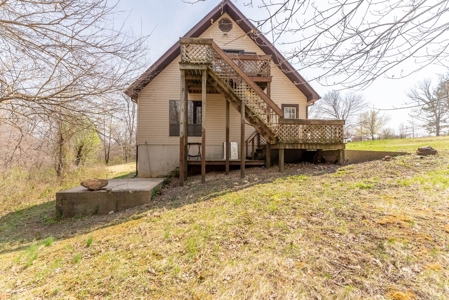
x: 264, y: 44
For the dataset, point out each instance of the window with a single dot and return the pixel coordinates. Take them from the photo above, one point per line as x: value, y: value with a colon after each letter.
x: 194, y: 117
x: 233, y: 51
x: 225, y: 25
x: 291, y: 111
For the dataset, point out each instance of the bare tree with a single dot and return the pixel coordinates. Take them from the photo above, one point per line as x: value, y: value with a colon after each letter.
x: 60, y: 60
x: 117, y: 130
x: 412, y: 125
x: 403, y: 130
x: 432, y: 105
x: 372, y: 122
x: 62, y: 55
x: 355, y: 42
x: 129, y: 119
x: 387, y: 133
x: 106, y: 129
x: 341, y: 107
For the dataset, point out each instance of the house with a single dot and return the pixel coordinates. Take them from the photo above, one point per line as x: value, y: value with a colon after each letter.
x: 224, y: 83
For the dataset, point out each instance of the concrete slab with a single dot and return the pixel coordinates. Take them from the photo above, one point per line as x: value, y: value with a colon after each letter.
x: 119, y: 194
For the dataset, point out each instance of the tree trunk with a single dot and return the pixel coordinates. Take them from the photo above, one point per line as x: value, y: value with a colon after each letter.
x: 60, y: 158
x: 79, y: 155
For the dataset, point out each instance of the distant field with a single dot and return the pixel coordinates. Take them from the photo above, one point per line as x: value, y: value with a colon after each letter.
x: 408, y: 145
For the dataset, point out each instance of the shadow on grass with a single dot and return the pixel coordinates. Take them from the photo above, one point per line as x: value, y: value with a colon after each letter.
x: 126, y: 175
x: 21, y: 227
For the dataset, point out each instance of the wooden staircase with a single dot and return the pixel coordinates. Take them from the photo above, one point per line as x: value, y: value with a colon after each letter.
x: 204, y: 59
x: 237, y: 88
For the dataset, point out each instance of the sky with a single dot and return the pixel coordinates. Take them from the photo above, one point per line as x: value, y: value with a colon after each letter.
x: 167, y: 20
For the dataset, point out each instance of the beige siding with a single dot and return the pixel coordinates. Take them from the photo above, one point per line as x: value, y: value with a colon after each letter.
x: 283, y: 91
x: 153, y: 102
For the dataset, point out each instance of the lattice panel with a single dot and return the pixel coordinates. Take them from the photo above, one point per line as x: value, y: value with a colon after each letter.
x: 310, y: 134
x: 203, y: 53
x: 286, y: 133
x: 244, y: 92
x: 196, y: 53
x: 260, y: 67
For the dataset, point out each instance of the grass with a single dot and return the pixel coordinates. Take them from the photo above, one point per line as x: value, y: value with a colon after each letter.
x: 314, y: 232
x: 89, y: 241
x: 407, y: 145
x: 27, y: 197
x: 122, y: 171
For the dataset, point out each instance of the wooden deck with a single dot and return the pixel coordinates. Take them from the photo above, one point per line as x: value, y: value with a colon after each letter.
x: 205, y: 66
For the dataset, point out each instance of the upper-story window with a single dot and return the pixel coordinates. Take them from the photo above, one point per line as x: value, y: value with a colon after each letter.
x: 291, y: 111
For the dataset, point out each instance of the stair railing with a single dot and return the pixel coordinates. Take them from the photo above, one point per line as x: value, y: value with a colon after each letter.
x: 252, y: 140
x: 206, y: 51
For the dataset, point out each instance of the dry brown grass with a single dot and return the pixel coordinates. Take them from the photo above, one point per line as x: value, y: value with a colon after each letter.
x: 368, y: 231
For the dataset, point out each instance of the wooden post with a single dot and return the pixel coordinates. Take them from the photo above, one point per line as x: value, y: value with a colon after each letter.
x: 186, y: 127
x: 182, y: 131
x: 228, y: 145
x: 341, y: 156
x: 268, y: 155
x: 242, y: 140
x: 281, y: 158
x: 203, y: 127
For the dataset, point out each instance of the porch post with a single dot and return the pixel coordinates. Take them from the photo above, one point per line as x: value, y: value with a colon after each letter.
x: 228, y: 145
x: 186, y: 127
x: 203, y: 127
x: 341, y: 156
x: 182, y: 130
x: 268, y: 155
x: 242, y: 140
x: 281, y: 158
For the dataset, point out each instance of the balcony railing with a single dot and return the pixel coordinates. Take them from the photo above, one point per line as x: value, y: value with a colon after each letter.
x: 253, y: 65
x: 310, y: 131
x: 235, y: 72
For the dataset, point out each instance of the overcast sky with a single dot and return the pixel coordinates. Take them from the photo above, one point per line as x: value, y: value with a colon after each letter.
x: 167, y: 20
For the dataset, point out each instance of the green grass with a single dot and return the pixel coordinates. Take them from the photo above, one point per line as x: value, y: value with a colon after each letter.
x: 89, y: 241
x: 378, y: 228
x: 407, y: 145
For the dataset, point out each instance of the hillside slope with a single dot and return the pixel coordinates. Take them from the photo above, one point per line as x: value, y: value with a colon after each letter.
x: 376, y: 230
x: 407, y: 145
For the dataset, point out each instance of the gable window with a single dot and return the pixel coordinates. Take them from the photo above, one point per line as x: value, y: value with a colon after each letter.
x: 291, y: 111
x: 225, y: 25
x: 194, y: 117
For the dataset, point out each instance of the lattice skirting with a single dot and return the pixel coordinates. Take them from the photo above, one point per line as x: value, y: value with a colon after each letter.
x: 312, y: 134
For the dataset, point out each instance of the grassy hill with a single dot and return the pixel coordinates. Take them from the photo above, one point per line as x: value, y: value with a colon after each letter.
x: 377, y: 230
x: 407, y: 145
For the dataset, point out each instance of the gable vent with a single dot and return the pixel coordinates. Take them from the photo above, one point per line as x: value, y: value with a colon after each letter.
x: 225, y: 25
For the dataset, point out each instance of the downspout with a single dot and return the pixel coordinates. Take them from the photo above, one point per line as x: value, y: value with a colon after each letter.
x: 307, y: 109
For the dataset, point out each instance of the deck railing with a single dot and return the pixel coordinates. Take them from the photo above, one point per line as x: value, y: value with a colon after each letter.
x: 205, y: 51
x: 253, y: 65
x: 226, y: 69
x: 310, y: 131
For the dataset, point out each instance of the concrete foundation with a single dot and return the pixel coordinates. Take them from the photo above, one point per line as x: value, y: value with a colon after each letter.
x: 358, y: 156
x: 160, y: 160
x: 119, y: 194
